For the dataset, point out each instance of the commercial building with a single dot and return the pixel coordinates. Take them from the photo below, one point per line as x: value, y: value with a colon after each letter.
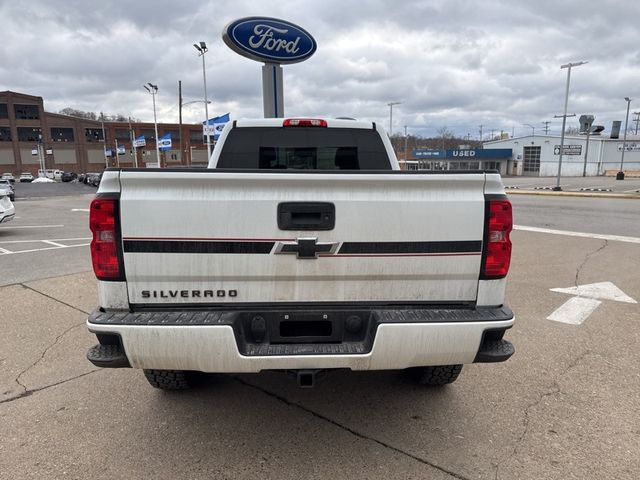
x: 538, y: 155
x: 78, y: 145
x: 458, y: 159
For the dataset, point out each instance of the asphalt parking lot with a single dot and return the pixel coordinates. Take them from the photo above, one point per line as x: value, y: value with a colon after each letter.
x: 564, y: 407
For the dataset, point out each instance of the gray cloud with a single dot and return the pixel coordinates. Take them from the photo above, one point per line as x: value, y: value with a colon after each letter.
x: 454, y: 63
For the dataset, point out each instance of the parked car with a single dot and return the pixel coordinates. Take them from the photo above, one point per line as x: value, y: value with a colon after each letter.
x: 7, y: 189
x: 88, y: 176
x: 9, y: 176
x: 7, y: 210
x: 81, y: 177
x: 68, y: 176
x: 53, y: 174
x: 26, y: 177
x: 95, y: 180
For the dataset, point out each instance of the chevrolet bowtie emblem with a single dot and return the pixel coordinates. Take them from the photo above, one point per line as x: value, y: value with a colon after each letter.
x: 306, y: 248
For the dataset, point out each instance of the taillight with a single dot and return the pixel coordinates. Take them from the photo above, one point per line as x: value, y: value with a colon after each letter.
x: 304, y: 122
x: 104, y: 246
x: 497, y: 249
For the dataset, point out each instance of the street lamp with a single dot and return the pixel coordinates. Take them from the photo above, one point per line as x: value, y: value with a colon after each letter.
x: 202, y: 49
x: 533, y: 134
x: 391, y: 104
x: 568, y: 66
x: 153, y: 89
x: 620, y: 175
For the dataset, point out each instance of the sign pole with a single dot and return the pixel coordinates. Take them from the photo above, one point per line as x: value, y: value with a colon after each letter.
x: 272, y: 90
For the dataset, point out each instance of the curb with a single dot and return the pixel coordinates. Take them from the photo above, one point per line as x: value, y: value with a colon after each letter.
x: 630, y: 196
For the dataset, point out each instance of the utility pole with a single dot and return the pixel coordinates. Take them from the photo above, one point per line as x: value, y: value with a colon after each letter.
x: 180, y: 118
x: 586, y: 150
x: 481, y: 132
x: 620, y: 174
x: 153, y: 90
x: 568, y: 66
x: 492, y: 130
x: 202, y: 49
x: 546, y: 127
x: 104, y: 141
x: 132, y: 135
x: 390, y: 105
x: 637, y: 120
x: 406, y: 138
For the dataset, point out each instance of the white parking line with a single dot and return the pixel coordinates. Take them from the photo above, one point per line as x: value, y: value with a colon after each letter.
x: 617, y: 238
x: 4, y: 251
x: 33, y: 226
x: 54, y: 243
x: 7, y: 252
x: 48, y: 240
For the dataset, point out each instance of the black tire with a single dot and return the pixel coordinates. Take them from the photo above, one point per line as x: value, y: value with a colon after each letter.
x: 435, y: 376
x: 12, y: 198
x: 168, y: 379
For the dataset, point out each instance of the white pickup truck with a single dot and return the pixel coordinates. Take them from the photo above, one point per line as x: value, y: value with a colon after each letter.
x: 304, y: 248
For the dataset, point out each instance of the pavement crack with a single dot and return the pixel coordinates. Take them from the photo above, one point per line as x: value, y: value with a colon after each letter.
x: 25, y: 389
x: 27, y: 392
x: 554, y: 389
x: 586, y: 259
x: 43, y: 354
x: 53, y: 298
x: 350, y: 430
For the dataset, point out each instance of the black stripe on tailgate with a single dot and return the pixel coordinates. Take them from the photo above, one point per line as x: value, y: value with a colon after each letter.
x: 399, y: 248
x: 197, y: 246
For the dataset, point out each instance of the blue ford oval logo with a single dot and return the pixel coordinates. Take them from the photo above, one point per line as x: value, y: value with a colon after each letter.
x: 269, y: 40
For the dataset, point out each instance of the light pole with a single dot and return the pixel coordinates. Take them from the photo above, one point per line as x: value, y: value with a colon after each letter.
x: 568, y: 66
x: 202, y: 49
x: 620, y: 175
x: 533, y: 134
x: 104, y: 141
x: 391, y: 104
x: 153, y: 89
x: 406, y: 138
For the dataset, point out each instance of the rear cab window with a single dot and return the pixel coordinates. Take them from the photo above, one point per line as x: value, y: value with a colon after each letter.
x: 303, y: 148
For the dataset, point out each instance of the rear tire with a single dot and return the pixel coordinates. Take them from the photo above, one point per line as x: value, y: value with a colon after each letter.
x: 168, y: 379
x: 435, y: 376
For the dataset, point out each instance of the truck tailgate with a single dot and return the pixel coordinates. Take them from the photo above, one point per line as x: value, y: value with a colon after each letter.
x: 211, y: 237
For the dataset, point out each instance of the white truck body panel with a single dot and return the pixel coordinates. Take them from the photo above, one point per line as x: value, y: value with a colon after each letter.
x: 227, y: 206
x: 214, y: 348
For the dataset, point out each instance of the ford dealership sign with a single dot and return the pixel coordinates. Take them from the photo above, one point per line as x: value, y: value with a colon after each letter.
x: 269, y: 40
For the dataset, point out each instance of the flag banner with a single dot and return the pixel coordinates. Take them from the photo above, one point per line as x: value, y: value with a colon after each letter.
x: 121, y: 150
x: 215, y: 125
x: 164, y: 143
x: 139, y: 142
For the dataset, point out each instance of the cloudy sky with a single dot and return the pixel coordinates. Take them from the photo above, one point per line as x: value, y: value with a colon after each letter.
x: 451, y: 63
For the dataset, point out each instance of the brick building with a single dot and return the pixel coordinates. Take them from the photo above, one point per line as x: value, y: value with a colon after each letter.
x: 77, y: 144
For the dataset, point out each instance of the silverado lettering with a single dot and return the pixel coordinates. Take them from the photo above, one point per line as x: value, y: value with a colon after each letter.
x: 188, y: 293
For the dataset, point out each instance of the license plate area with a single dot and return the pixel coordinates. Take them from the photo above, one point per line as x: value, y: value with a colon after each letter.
x: 351, y: 331
x: 306, y: 328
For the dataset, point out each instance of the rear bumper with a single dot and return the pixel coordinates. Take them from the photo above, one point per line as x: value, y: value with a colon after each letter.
x: 211, y: 341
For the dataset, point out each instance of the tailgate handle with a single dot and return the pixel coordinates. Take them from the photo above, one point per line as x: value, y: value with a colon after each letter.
x: 306, y: 216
